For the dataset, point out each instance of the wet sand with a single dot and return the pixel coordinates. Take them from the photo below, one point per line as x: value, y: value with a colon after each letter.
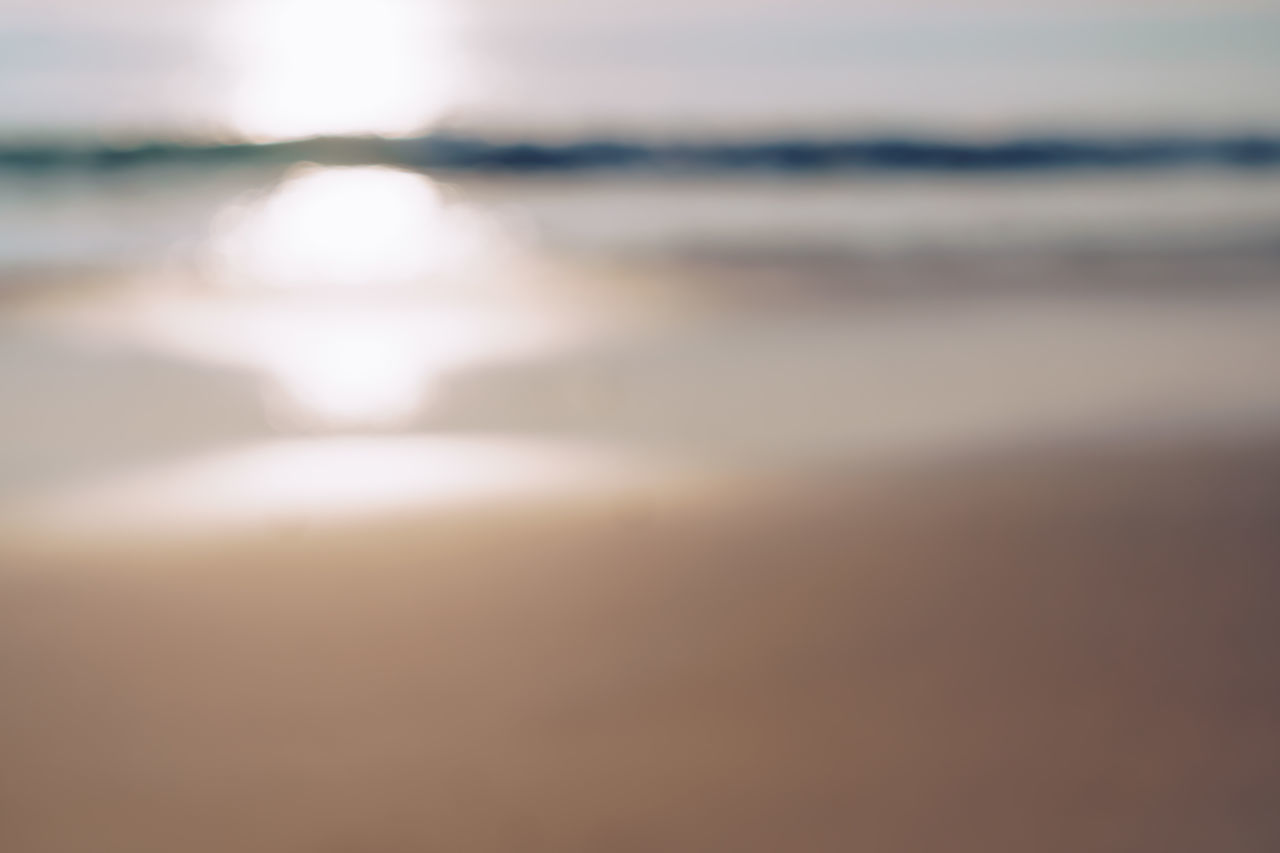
x: 1060, y: 650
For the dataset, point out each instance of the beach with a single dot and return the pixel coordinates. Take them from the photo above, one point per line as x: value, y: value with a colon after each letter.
x: 722, y: 426
x: 961, y: 563
x: 1057, y: 651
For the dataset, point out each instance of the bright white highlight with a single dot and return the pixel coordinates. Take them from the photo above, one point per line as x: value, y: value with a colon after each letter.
x: 348, y: 227
x: 342, y: 67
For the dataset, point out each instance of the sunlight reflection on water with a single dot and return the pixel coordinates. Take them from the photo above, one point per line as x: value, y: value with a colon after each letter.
x: 360, y: 271
x: 367, y: 226
x: 371, y: 285
x: 351, y: 289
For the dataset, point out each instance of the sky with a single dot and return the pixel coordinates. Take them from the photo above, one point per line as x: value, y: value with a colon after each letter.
x: 271, y: 68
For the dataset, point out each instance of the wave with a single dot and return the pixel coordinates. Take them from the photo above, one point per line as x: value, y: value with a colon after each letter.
x: 777, y: 156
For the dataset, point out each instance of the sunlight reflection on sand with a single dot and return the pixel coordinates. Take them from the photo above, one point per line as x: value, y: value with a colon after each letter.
x: 325, y: 481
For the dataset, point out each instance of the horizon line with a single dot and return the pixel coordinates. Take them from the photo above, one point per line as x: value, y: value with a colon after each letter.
x: 780, y: 154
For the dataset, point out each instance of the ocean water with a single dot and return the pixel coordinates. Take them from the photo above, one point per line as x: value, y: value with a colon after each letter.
x: 707, y: 231
x: 79, y: 80
x: 156, y: 215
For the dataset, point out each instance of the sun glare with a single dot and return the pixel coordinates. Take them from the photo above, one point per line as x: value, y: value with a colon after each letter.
x: 366, y: 373
x: 366, y: 226
x: 295, y: 483
x: 354, y: 289
x: 352, y: 265
x: 342, y: 67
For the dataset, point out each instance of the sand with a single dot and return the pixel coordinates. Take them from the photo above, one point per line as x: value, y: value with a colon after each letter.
x: 1050, y: 651
x: 962, y: 554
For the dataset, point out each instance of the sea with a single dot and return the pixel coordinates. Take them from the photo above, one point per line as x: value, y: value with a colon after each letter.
x: 713, y: 231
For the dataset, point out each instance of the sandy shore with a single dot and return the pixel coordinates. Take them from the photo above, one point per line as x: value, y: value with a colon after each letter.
x: 1059, y: 652
x: 975, y: 554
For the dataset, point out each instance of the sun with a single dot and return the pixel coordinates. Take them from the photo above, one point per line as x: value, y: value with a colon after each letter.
x: 307, y: 68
